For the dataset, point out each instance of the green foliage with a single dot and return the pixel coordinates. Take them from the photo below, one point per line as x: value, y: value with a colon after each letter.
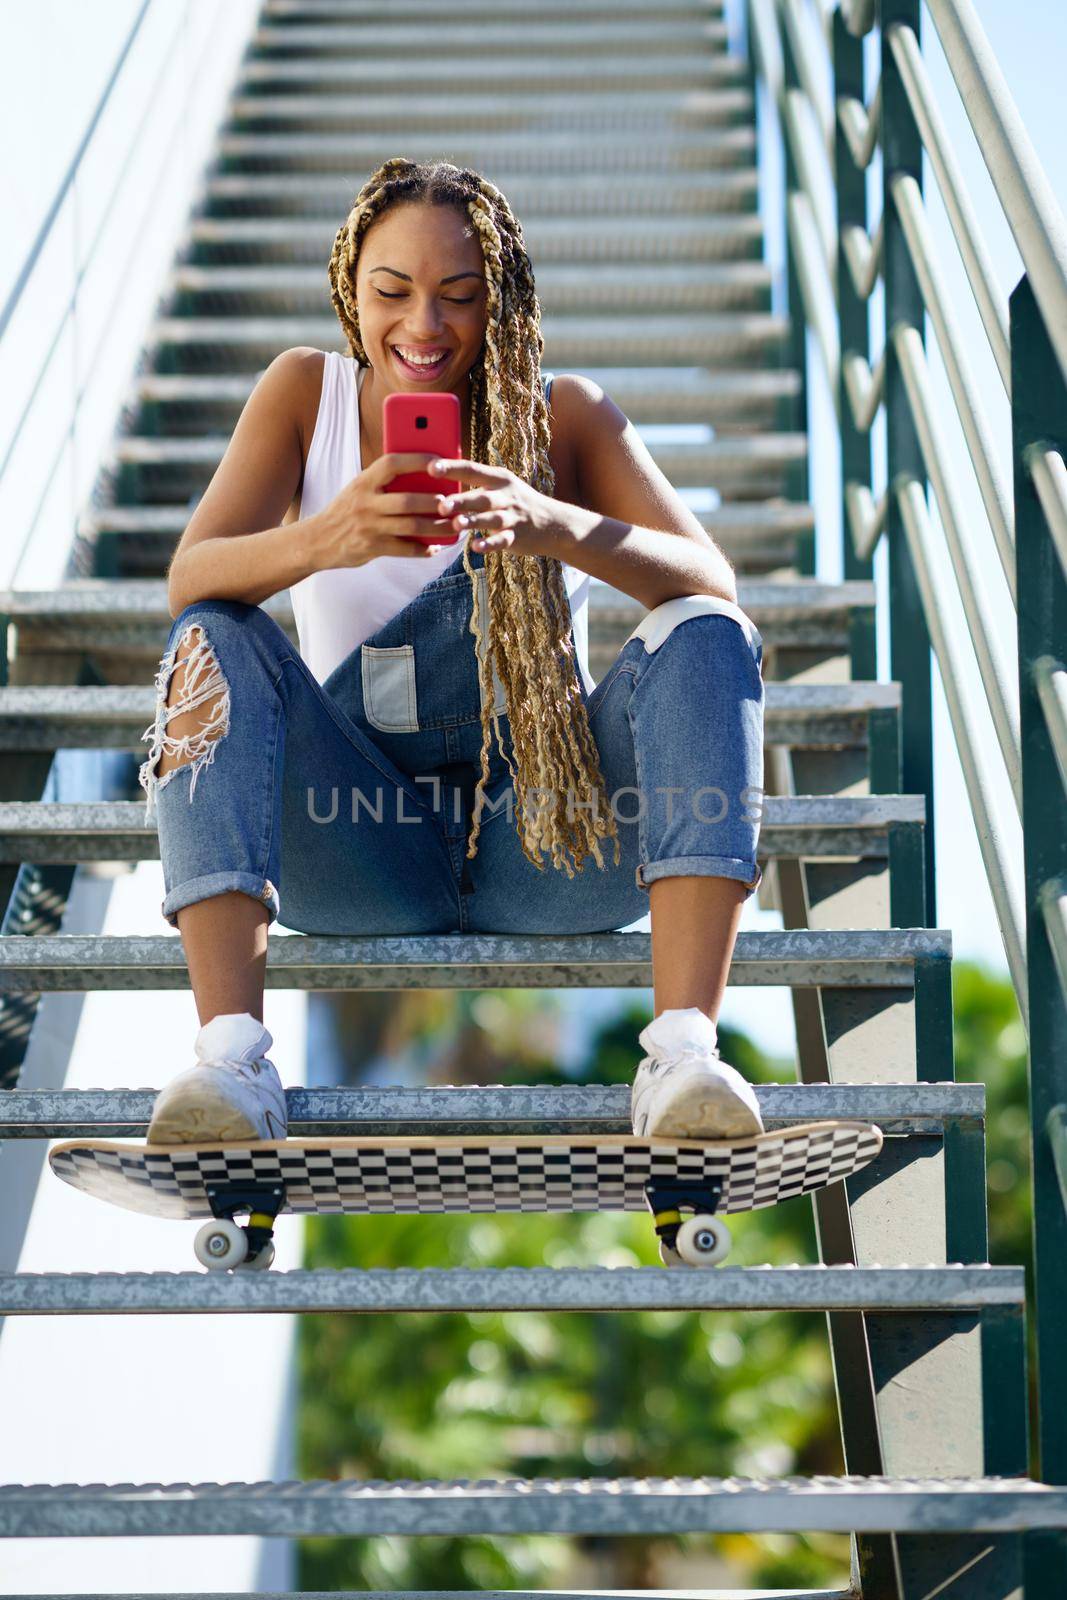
x: 604, y: 1394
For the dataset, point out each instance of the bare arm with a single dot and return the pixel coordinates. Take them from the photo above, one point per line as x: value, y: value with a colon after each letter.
x: 631, y: 529
x: 236, y: 546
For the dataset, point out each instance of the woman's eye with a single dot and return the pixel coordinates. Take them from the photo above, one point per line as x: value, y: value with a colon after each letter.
x: 469, y: 301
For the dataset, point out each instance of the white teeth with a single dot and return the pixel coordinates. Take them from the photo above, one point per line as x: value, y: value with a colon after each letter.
x: 420, y: 361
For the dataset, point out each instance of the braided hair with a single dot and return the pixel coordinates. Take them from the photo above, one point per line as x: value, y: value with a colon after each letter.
x: 528, y: 635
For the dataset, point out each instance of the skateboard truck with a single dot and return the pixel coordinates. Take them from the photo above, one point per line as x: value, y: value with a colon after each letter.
x: 222, y: 1244
x: 702, y: 1240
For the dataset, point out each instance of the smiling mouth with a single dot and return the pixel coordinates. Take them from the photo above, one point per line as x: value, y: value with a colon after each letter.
x: 422, y: 369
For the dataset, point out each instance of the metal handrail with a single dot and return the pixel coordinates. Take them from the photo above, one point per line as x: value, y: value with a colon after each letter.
x: 1002, y: 697
x: 965, y: 390
x: 1027, y: 337
x: 991, y: 303
x: 823, y: 109
x: 858, y: 16
x: 1008, y: 901
x: 1049, y: 474
x: 1023, y: 190
x: 68, y: 179
x: 65, y: 311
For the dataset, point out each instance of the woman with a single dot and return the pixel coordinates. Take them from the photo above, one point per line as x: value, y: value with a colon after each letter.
x: 361, y: 769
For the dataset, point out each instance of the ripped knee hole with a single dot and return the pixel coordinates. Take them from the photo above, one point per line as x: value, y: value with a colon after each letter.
x: 201, y: 681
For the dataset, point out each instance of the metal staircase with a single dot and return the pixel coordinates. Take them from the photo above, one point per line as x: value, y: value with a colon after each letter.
x: 625, y: 137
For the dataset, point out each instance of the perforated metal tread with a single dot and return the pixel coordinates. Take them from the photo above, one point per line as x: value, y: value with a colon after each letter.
x: 841, y: 957
x: 534, y: 1505
x: 898, y: 1108
x: 723, y: 338
x: 112, y: 830
x: 113, y: 717
x: 449, y: 35
x: 950, y: 1290
x: 482, y: 1594
x: 103, y: 600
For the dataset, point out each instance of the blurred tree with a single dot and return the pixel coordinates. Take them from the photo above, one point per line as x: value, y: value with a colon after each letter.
x: 604, y: 1394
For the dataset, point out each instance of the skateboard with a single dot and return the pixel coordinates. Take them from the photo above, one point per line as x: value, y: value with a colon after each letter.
x: 522, y: 1172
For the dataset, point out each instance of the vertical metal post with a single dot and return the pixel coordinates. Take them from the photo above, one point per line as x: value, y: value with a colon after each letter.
x: 796, y: 345
x: 1039, y: 415
x: 909, y: 639
x: 850, y: 186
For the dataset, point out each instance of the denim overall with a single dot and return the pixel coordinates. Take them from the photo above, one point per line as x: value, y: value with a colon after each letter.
x: 348, y: 805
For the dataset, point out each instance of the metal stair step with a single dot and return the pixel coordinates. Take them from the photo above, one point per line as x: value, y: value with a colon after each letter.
x: 285, y: 13
x: 137, y: 541
x: 669, y: 217
x: 114, y: 717
x: 951, y: 1289
x: 915, y: 1109
x: 86, y: 612
x: 667, y: 288
x: 661, y: 113
x: 715, y: 339
x: 542, y: 72
x: 688, y: 200
x: 758, y: 537
x: 556, y: 152
x: 760, y: 464
x: 444, y: 34
x: 851, y: 958
x: 480, y: 1594
x: 793, y: 826
x: 124, y: 623
x: 667, y: 396
x: 534, y: 1505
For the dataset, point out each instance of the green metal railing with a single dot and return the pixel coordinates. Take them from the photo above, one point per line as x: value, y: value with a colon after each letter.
x: 834, y: 263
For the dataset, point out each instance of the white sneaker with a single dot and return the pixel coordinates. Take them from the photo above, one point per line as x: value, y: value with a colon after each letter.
x: 233, y: 1092
x: 681, y: 1087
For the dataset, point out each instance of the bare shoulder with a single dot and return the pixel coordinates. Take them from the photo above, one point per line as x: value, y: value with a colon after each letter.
x: 583, y: 410
x: 584, y: 416
x: 303, y: 367
x: 573, y: 411
x: 261, y: 471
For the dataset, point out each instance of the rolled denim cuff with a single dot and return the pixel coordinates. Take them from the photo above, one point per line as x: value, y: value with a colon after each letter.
x: 184, y: 894
x: 746, y: 872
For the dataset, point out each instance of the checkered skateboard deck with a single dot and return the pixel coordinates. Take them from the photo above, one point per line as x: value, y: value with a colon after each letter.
x: 521, y: 1172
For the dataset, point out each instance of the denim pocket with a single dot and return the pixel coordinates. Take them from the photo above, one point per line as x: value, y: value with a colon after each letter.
x: 389, y: 700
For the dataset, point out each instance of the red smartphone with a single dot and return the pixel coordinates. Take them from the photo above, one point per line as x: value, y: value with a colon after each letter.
x: 431, y: 423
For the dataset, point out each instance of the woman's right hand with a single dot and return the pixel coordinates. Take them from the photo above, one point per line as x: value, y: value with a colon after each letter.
x: 363, y: 521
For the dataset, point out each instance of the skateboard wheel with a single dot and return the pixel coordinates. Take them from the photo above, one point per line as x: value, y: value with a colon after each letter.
x: 702, y: 1241
x: 263, y: 1259
x: 220, y: 1244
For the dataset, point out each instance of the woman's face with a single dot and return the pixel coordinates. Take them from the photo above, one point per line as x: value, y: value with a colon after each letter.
x: 420, y: 286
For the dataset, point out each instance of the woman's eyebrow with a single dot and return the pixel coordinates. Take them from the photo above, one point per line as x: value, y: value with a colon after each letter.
x: 454, y: 279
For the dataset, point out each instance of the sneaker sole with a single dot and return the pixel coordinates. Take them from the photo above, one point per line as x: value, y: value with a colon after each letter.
x: 193, y: 1114
x: 705, y: 1108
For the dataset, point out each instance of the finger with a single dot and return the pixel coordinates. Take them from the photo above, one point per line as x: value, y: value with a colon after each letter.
x: 406, y: 502
x: 390, y: 466
x: 491, y: 521
x: 439, y: 467
x: 466, y: 505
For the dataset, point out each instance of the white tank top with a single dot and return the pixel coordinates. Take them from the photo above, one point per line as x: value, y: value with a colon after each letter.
x: 337, y: 609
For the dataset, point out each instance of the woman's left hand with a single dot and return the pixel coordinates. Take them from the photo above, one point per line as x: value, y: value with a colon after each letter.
x: 502, y: 510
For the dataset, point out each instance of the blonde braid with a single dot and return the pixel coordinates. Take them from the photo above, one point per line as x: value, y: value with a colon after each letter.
x: 526, y: 638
